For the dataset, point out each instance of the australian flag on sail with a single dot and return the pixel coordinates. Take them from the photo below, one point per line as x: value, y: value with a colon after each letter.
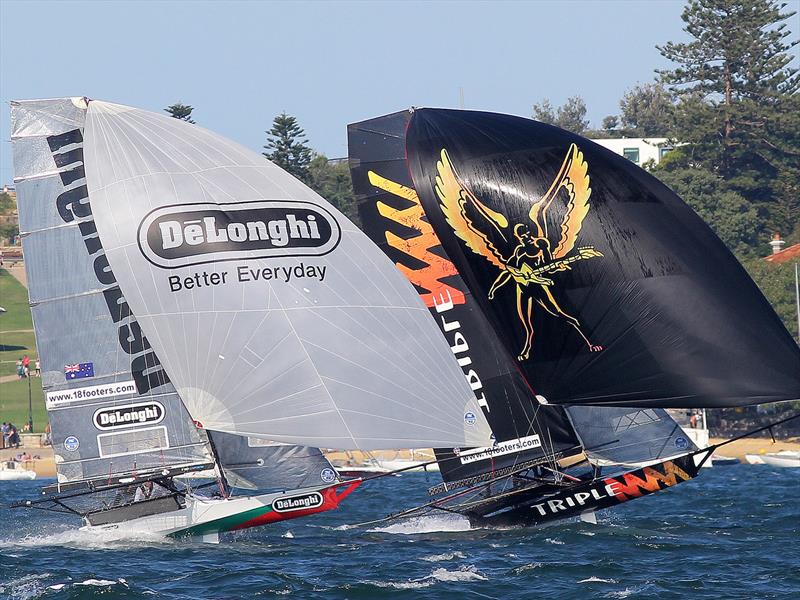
x: 78, y: 371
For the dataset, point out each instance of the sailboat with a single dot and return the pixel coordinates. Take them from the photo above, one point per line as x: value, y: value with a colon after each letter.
x: 580, y: 296
x: 198, y: 311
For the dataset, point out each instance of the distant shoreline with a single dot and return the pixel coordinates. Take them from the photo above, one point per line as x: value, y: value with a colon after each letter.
x: 46, y: 466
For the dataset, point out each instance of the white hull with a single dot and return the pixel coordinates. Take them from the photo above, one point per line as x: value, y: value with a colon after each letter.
x: 13, y: 471
x: 782, y: 459
x: 16, y: 475
x: 754, y: 459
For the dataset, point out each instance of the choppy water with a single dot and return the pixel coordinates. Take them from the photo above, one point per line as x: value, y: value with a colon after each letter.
x: 732, y: 533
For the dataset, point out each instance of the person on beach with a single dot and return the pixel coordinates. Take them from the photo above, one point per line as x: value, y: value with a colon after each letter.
x: 38, y: 367
x: 13, y: 436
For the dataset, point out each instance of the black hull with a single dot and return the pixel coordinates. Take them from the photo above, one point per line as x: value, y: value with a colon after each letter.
x: 597, y: 494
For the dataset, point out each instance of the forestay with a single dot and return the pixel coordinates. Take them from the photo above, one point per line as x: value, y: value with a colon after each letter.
x: 273, y: 314
x: 111, y: 407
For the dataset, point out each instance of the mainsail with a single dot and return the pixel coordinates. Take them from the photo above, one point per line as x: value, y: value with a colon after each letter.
x: 274, y: 316
x: 524, y: 430
x: 256, y: 464
x: 606, y: 286
x: 628, y: 436
x: 112, y: 409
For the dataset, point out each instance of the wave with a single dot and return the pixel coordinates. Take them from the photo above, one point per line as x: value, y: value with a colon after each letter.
x: 594, y: 579
x: 466, y: 573
x: 86, y: 540
x: 443, y: 557
x: 427, y: 524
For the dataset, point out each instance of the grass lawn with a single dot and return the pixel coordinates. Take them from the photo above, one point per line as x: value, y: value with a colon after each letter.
x: 14, y: 403
x: 16, y: 339
x: 14, y: 298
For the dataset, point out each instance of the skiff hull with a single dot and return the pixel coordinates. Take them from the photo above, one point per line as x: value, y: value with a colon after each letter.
x: 209, y: 517
x: 587, y: 497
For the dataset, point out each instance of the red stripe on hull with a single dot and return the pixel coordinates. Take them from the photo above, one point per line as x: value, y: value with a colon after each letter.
x: 330, y: 501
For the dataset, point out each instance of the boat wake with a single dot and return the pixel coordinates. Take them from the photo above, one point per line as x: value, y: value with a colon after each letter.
x: 426, y: 524
x: 86, y: 540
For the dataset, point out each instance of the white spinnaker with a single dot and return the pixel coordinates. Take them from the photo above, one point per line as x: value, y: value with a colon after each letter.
x: 348, y: 359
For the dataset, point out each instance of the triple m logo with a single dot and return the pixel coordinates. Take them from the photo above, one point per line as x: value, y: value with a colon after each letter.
x: 192, y: 234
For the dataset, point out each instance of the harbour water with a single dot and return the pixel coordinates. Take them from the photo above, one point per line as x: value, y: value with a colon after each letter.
x: 732, y: 533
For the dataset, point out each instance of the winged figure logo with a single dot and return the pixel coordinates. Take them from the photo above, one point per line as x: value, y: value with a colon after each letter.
x: 525, y: 253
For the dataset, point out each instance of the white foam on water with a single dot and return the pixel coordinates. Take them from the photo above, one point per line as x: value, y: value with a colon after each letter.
x: 443, y: 557
x: 594, y: 579
x: 620, y: 594
x: 87, y: 540
x: 288, y: 535
x: 25, y: 588
x: 527, y: 567
x: 466, y: 573
x: 556, y: 542
x: 427, y: 524
x: 99, y: 582
x: 402, y: 585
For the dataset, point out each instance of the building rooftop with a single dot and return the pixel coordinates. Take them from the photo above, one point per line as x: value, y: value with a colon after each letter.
x: 792, y: 253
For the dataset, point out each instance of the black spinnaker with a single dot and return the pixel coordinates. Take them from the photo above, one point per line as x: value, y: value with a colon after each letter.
x: 525, y: 431
x: 561, y: 273
x: 608, y: 288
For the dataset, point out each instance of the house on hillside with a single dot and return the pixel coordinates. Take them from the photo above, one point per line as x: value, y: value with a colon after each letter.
x: 637, y: 150
x: 781, y: 254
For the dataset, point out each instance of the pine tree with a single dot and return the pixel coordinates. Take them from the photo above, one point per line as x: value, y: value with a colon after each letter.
x: 647, y: 111
x: 180, y: 111
x: 287, y: 146
x: 738, y: 109
x: 331, y: 180
x: 570, y: 116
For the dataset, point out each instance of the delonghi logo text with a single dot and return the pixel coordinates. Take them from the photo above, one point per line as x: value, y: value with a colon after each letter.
x: 130, y: 415
x: 191, y: 234
x: 290, y: 503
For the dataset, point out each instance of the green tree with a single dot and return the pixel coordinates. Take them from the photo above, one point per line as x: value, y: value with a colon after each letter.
x: 738, y: 104
x: 646, y: 111
x: 7, y: 204
x: 776, y: 281
x: 180, y: 111
x: 570, y: 116
x: 610, y: 122
x: 288, y: 147
x: 331, y: 180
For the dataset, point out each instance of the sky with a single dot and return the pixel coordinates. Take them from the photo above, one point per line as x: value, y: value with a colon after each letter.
x: 328, y: 63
